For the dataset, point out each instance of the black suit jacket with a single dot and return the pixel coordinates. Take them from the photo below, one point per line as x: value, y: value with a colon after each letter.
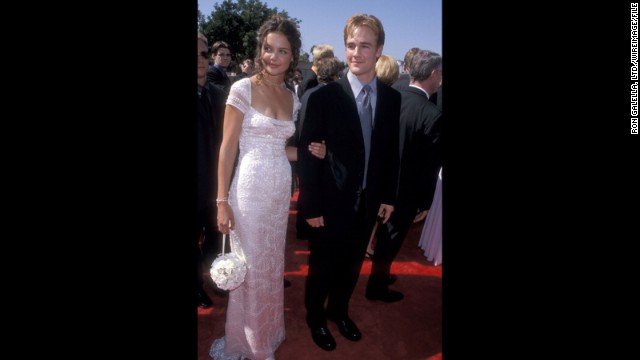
x: 329, y: 187
x: 208, y: 139
x: 402, y: 83
x: 240, y: 76
x: 420, y: 128
x: 307, y: 84
x: 301, y: 114
x: 219, y: 78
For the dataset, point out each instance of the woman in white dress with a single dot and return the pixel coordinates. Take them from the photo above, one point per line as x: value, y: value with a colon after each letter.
x: 253, y: 206
x: 431, y: 237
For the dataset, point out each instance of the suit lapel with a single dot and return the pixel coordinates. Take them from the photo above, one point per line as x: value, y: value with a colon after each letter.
x: 382, y: 91
x: 354, y: 118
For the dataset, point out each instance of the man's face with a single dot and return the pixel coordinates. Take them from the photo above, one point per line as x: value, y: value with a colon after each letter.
x: 362, y: 51
x: 203, y: 62
x: 223, y: 57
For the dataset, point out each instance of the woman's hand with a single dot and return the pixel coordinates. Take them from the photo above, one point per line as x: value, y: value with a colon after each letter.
x: 225, y: 217
x: 318, y: 150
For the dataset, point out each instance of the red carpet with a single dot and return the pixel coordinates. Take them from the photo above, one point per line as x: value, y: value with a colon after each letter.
x: 410, y: 329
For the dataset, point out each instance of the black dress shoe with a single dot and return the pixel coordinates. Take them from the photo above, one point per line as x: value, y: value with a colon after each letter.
x: 322, y: 337
x: 348, y: 329
x: 392, y: 279
x: 204, y: 301
x: 386, y: 295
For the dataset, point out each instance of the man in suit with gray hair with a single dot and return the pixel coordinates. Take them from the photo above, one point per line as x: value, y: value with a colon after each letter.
x: 420, y: 122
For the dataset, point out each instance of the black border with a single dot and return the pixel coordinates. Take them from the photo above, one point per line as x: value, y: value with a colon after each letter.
x: 538, y: 160
x: 528, y: 150
x: 113, y: 245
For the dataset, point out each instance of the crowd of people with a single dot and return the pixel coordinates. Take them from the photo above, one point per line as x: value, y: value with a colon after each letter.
x: 367, y: 157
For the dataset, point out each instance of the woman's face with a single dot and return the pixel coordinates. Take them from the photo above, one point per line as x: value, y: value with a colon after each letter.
x: 276, y: 54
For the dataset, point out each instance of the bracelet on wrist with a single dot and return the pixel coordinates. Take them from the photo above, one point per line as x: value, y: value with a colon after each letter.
x: 225, y: 200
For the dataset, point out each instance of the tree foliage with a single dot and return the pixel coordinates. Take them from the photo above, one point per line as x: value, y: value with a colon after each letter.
x: 237, y: 23
x: 200, y: 20
x: 304, y: 58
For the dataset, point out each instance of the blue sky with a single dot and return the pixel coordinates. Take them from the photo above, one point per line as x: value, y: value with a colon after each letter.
x: 407, y: 23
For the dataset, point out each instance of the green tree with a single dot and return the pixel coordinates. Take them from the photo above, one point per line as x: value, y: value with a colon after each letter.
x: 237, y: 23
x: 200, y: 20
x: 304, y: 58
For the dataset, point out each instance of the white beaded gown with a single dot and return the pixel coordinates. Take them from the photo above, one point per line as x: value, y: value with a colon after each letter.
x: 259, y: 195
x: 431, y: 236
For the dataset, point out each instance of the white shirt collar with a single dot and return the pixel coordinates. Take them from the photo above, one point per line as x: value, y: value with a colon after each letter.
x: 356, y: 85
x: 423, y: 90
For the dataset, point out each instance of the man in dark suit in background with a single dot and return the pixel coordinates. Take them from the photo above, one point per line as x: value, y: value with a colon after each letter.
x: 319, y: 52
x: 217, y: 73
x: 247, y: 69
x: 210, y: 102
x: 404, y: 79
x: 342, y: 195
x: 420, y: 123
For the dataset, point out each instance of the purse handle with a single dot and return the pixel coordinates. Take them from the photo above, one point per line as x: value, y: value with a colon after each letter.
x: 239, y: 253
x: 224, y: 245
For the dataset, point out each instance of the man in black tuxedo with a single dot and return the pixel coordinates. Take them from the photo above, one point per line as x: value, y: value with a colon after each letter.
x: 342, y: 195
x: 210, y: 102
x: 217, y: 73
x: 420, y: 123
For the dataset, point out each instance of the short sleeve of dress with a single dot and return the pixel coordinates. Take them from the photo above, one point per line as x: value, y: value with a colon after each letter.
x: 240, y: 95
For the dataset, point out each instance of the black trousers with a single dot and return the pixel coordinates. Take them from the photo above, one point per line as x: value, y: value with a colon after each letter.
x: 389, y: 239
x: 335, y: 259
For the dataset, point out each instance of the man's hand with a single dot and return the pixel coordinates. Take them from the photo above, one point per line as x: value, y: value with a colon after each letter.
x: 385, y: 212
x: 316, y: 222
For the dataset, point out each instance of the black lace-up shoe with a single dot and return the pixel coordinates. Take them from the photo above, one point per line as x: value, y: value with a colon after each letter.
x: 322, y: 337
x: 348, y: 329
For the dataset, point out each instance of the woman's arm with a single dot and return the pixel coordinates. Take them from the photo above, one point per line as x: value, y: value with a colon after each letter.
x: 228, y: 151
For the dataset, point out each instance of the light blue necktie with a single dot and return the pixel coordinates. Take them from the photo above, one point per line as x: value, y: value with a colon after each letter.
x: 366, y: 119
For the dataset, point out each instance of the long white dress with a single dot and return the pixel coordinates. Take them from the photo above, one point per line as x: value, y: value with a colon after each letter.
x: 431, y: 237
x: 259, y: 196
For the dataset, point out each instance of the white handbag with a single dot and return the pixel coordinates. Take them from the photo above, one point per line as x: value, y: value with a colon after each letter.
x: 228, y: 270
